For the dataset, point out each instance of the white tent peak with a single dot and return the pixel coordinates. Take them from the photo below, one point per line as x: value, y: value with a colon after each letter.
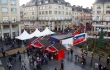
x: 47, y: 31
x: 35, y: 32
x: 24, y: 36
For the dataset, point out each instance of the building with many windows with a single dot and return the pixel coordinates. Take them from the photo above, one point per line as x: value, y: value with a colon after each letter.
x: 9, y: 17
x: 81, y: 15
x: 56, y: 14
x: 101, y: 15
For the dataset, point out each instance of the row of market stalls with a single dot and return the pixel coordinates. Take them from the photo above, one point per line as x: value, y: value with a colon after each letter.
x: 58, y: 49
x: 48, y: 42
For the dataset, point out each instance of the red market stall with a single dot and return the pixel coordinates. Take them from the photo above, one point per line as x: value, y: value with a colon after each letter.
x: 37, y: 44
x: 32, y: 40
x: 58, y: 49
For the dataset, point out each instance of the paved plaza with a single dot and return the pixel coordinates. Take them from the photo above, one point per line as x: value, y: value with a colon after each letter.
x: 69, y: 63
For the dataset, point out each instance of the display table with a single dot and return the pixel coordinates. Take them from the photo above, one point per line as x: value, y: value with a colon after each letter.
x: 1, y: 66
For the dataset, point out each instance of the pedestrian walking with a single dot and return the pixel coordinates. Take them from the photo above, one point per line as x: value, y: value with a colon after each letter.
x: 19, y: 58
x: 71, y: 51
x: 55, y: 68
x: 9, y: 65
x: 3, y: 52
x: 10, y: 59
x: 62, y: 65
x: 76, y: 57
x: 104, y: 68
x: 108, y: 60
x: 100, y: 66
x: 23, y: 65
x: 14, y: 56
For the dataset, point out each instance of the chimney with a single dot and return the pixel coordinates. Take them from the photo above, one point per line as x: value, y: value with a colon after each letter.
x: 78, y: 6
x: 74, y: 5
x: 87, y: 7
x: 81, y: 6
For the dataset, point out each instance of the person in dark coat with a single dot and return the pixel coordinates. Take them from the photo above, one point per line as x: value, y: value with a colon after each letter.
x: 10, y: 58
x: 19, y: 58
x: 62, y: 65
x: 100, y: 66
x: 108, y: 60
x: 104, y: 68
x: 71, y: 51
x: 55, y: 68
x: 3, y: 52
x: 38, y: 67
x: 14, y: 56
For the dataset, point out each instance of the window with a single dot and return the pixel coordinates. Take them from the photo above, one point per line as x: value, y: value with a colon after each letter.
x: 98, y: 18
x: 62, y: 12
x: 107, y: 6
x: 69, y: 13
x: 42, y: 12
x: 43, y: 7
x: 32, y: 8
x: 13, y: 2
x: 50, y: 6
x: 59, y: 12
x: 5, y: 19
x: 55, y: 12
x: 107, y: 18
x: 50, y: 12
x: 92, y: 18
x: 3, y: 1
x: 66, y: 8
x: 55, y: 7
x: 46, y: 12
x: 46, y: 2
x: 98, y: 12
x: 46, y: 7
x: 13, y: 19
x: 40, y: 8
x: 107, y: 12
x: 59, y: 7
x: 39, y: 13
x: 32, y: 13
x: 66, y: 13
x: 4, y: 10
x: 62, y: 7
x: 98, y: 7
x: 13, y: 10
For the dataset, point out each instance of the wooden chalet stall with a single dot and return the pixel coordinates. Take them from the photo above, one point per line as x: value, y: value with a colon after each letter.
x: 58, y: 50
x: 32, y: 40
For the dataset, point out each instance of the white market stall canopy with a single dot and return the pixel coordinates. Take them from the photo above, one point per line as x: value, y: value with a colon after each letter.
x: 67, y: 41
x: 24, y: 36
x: 45, y: 32
x: 35, y: 33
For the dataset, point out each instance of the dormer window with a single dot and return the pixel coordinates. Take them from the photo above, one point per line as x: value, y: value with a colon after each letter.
x: 46, y: 2
x: 39, y: 2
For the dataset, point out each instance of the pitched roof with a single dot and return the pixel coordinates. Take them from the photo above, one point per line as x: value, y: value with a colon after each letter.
x: 35, y: 2
x: 32, y: 39
x: 61, y: 37
x: 45, y: 43
x: 101, y: 1
x: 59, y: 46
x: 46, y: 37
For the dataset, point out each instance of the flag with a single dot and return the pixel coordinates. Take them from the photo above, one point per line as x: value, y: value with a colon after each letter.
x: 79, y: 38
x: 76, y: 32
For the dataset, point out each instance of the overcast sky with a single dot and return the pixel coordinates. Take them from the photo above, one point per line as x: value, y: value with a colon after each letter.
x: 84, y: 3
